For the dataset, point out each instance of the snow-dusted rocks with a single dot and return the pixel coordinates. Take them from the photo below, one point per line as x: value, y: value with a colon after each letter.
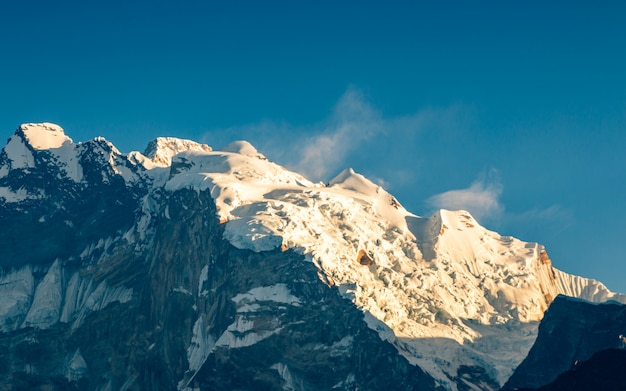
x: 16, y: 290
x: 42, y: 303
x: 51, y: 138
x: 163, y: 149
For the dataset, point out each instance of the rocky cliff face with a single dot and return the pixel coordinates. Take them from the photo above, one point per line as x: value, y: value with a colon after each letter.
x: 603, y: 371
x: 187, y: 268
x: 571, y: 332
x: 107, y: 286
x: 196, y: 312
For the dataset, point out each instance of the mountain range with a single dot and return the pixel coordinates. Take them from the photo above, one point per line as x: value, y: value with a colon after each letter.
x: 185, y: 267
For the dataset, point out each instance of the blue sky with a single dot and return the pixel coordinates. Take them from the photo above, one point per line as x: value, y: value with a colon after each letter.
x: 514, y: 110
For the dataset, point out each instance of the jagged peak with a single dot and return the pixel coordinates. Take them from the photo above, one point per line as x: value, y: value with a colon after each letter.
x: 30, y: 138
x: 43, y: 136
x: 104, y: 144
x: 243, y: 147
x: 162, y: 149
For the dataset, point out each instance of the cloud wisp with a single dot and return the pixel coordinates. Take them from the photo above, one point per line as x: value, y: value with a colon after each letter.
x: 481, y: 198
x: 354, y: 122
x: 354, y: 129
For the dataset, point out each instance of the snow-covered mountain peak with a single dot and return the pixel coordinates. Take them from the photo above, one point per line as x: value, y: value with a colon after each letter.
x: 34, y: 145
x: 448, y: 293
x: 350, y: 180
x: 420, y: 281
x: 243, y: 147
x: 242, y: 186
x: 45, y: 135
x: 162, y: 149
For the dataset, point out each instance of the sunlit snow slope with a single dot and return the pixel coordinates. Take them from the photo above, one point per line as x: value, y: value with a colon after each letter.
x: 450, y: 295
x: 444, y: 290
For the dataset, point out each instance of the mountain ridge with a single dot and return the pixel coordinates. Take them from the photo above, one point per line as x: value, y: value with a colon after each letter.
x: 572, y: 331
x: 453, y: 298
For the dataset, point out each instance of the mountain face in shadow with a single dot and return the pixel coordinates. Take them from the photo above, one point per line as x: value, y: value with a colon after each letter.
x: 571, y: 332
x: 603, y: 371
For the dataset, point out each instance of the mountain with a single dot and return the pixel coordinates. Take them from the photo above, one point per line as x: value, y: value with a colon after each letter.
x: 603, y: 371
x: 191, y: 268
x: 571, y: 332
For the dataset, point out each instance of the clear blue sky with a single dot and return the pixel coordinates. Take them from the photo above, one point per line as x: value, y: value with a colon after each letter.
x: 515, y: 110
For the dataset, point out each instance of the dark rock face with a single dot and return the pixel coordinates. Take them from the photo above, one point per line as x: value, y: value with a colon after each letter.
x: 203, y: 315
x: 603, y: 371
x: 470, y: 377
x: 69, y: 214
x: 571, y: 331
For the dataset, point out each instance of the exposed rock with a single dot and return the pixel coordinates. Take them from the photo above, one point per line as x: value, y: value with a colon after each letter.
x: 603, y: 371
x: 363, y: 258
x: 571, y: 331
x: 254, y: 333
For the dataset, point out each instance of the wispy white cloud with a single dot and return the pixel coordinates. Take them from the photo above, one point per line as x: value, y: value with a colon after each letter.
x: 355, y: 129
x: 354, y: 121
x: 481, y: 198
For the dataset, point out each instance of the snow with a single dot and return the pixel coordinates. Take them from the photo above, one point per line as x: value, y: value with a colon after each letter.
x: 76, y: 293
x: 19, y: 155
x: 27, y: 302
x: 54, y: 300
x: 45, y: 136
x: 199, y: 349
x: 102, y: 296
x: 19, y: 195
x: 45, y: 310
x: 243, y: 147
x: 292, y: 383
x: 162, y: 149
x: 278, y: 293
x: 204, y: 276
x: 444, y: 290
x: 51, y: 138
x: 244, y: 331
x: 341, y: 347
x: 201, y: 345
x: 83, y: 296
x: 16, y: 290
x: 182, y: 289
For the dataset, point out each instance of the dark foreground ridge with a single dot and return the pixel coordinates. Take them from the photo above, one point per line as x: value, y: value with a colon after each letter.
x: 603, y: 371
x: 572, y: 331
